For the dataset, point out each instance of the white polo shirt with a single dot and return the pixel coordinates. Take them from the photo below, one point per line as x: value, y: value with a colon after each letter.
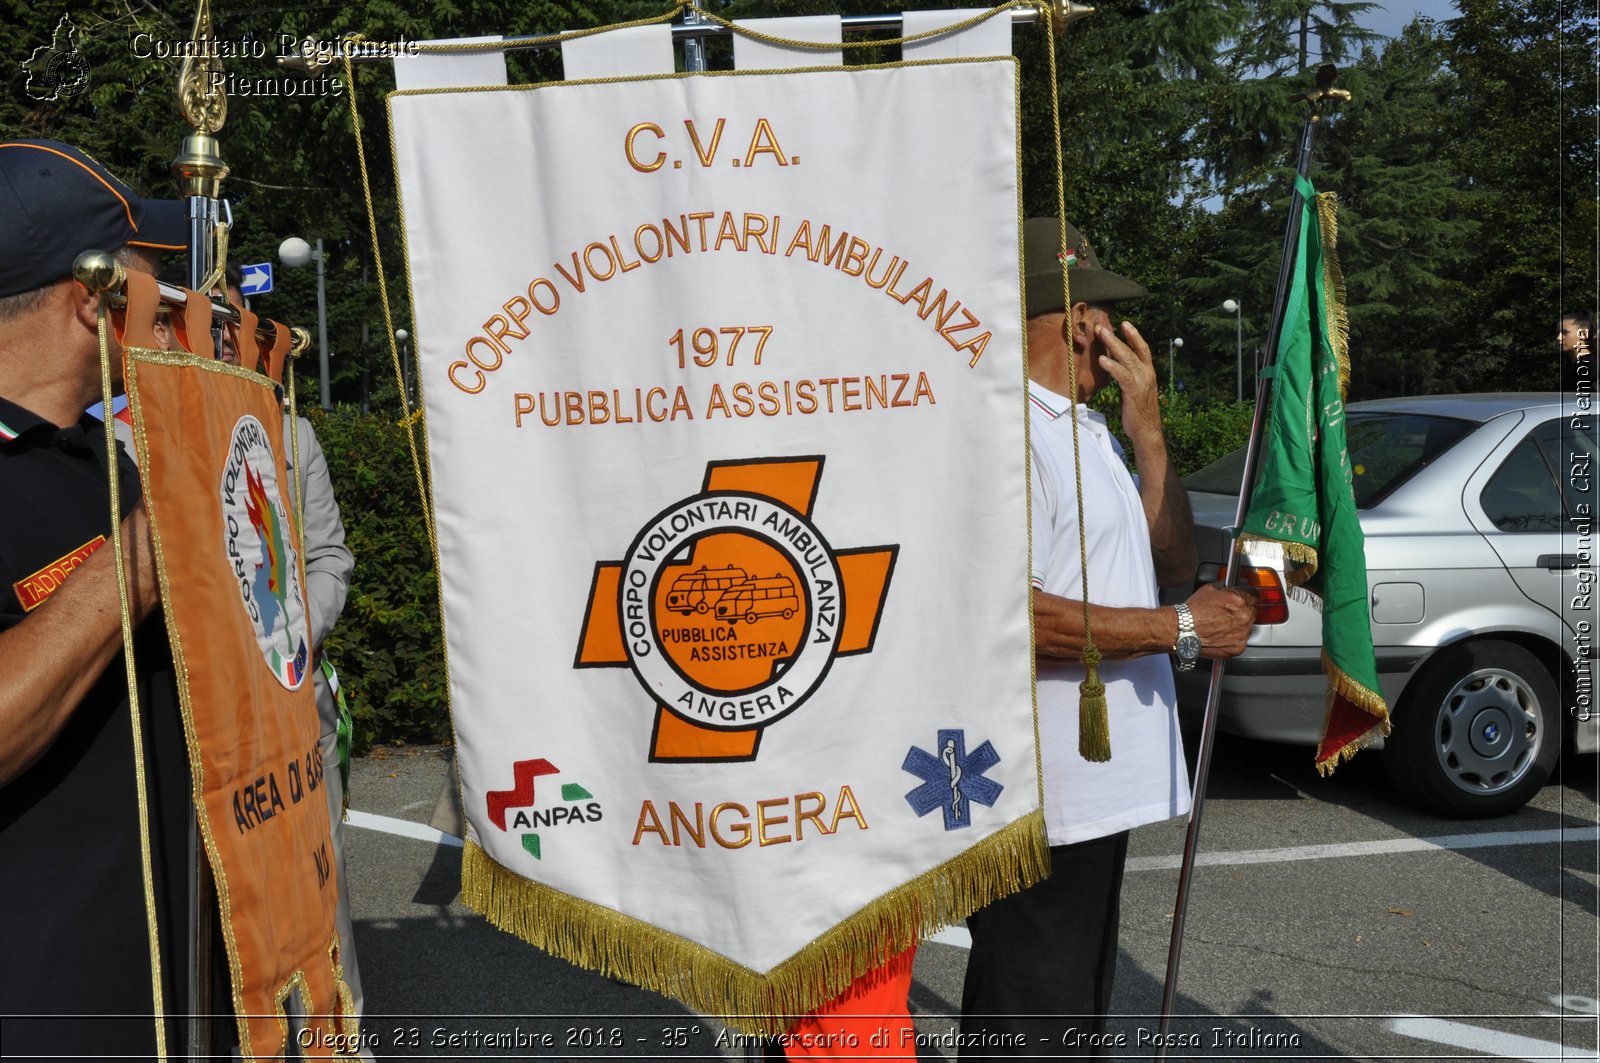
x: 1145, y: 780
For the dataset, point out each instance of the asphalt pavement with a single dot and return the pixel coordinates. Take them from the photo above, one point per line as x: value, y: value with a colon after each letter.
x: 1327, y: 920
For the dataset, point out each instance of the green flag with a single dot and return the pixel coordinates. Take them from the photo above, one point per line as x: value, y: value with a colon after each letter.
x: 1304, y: 499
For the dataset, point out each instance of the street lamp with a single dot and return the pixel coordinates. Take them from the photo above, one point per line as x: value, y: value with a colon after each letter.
x: 294, y: 253
x: 1232, y: 306
x: 400, y: 337
x: 1172, y: 377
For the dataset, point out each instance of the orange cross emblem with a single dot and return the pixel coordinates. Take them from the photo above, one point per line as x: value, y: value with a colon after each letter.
x: 731, y: 607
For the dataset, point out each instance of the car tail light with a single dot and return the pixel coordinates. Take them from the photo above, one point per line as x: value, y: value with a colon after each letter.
x: 1272, y: 604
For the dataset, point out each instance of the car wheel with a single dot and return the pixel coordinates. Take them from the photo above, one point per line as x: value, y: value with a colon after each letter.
x: 1478, y: 732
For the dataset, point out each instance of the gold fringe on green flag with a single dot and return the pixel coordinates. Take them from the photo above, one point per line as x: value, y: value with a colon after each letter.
x: 1305, y: 498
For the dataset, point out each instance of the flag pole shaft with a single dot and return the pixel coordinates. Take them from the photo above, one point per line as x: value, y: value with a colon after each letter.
x: 1252, y: 460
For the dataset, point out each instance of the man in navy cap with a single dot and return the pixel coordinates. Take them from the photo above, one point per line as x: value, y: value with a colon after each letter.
x: 83, y: 907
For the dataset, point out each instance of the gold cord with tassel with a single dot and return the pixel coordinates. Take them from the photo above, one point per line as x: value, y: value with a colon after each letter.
x: 1094, y: 722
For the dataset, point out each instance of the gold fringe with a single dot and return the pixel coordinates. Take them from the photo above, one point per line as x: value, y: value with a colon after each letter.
x: 1303, y: 559
x: 1355, y: 692
x: 1326, y: 767
x: 1094, y: 721
x: 1341, y: 684
x: 1338, y: 319
x: 604, y: 940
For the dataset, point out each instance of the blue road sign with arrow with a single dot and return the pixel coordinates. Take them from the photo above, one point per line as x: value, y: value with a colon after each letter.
x: 257, y: 279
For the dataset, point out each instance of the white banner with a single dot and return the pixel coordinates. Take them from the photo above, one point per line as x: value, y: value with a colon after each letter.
x: 726, y: 413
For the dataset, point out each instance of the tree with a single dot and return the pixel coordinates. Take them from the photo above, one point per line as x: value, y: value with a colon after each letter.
x: 1527, y: 104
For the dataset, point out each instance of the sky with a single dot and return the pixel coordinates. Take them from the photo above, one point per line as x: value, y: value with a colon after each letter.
x: 1392, y: 15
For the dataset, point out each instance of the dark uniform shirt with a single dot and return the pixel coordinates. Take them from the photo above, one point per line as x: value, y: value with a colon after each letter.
x: 75, y: 940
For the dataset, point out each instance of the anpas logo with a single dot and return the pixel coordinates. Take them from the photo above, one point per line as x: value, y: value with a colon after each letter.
x: 577, y: 804
x: 731, y: 607
x: 261, y: 553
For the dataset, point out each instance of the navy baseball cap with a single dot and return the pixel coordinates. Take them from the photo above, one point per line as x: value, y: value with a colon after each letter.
x: 56, y: 202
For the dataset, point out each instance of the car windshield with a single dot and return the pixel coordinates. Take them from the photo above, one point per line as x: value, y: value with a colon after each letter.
x: 1386, y: 450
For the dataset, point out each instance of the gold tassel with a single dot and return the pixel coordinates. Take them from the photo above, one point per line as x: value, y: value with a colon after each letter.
x: 1094, y: 722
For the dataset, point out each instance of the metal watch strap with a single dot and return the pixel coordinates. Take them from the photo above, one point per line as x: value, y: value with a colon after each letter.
x: 1186, y: 633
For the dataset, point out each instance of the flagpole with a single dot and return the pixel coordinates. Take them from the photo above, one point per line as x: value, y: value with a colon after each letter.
x: 1208, y: 727
x: 200, y: 169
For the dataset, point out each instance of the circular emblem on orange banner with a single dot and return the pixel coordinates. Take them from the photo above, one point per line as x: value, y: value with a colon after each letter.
x: 731, y: 609
x: 261, y: 553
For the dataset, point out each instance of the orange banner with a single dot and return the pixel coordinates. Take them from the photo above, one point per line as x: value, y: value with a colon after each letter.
x: 211, y: 447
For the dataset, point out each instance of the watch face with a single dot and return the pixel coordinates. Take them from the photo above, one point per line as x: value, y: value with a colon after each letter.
x: 1189, y: 647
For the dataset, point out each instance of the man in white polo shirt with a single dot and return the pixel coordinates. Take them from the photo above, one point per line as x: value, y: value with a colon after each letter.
x: 1043, y: 960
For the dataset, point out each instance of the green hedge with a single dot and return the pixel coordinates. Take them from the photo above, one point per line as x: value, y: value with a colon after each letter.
x: 1198, y: 433
x: 387, y: 646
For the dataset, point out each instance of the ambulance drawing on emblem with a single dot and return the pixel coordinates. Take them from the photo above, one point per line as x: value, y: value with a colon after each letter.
x: 700, y: 590
x: 260, y: 553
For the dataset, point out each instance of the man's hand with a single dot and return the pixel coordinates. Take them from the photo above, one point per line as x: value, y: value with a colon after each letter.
x: 1166, y: 505
x: 1127, y: 358
x: 139, y: 562
x: 1223, y: 617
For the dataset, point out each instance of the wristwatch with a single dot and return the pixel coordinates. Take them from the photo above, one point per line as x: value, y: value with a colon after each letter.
x: 1187, y: 648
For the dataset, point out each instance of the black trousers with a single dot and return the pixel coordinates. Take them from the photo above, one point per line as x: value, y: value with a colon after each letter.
x: 1043, y: 961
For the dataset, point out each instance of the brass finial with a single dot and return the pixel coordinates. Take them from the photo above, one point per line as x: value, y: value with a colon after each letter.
x: 203, y: 98
x: 97, y: 271
x: 201, y: 92
x: 1064, y: 13
x: 1324, y: 91
x: 299, y: 341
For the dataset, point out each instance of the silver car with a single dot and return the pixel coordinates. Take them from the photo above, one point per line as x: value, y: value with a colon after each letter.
x: 1479, y: 513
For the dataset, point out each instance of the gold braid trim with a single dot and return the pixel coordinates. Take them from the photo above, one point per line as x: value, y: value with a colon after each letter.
x: 114, y: 488
x: 1027, y: 461
x: 784, y: 42
x: 157, y: 356
x: 291, y: 406
x: 741, y: 30
x: 604, y: 940
x: 1333, y: 308
x: 460, y: 47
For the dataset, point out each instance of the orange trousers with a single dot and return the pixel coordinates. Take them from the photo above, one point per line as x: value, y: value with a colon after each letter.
x: 871, y: 1019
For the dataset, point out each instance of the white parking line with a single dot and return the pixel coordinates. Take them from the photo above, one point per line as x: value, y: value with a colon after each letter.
x: 1340, y: 850
x: 402, y: 827
x: 1497, y: 1044
x: 958, y: 936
